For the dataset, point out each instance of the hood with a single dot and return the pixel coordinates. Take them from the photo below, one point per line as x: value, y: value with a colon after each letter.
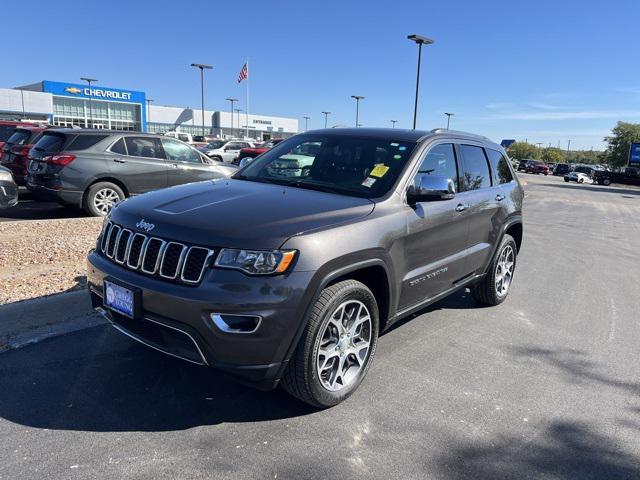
x: 237, y: 213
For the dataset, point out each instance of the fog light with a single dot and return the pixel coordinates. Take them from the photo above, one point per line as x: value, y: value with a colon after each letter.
x: 231, y: 323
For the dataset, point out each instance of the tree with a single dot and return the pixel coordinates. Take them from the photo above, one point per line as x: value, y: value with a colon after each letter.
x: 553, y: 155
x: 522, y: 150
x: 623, y: 135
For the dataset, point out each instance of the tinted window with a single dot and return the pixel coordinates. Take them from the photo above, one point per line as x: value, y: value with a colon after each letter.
x: 500, y: 165
x: 183, y: 137
x: 50, y: 142
x: 441, y: 160
x: 475, y: 173
x: 119, y: 147
x: 143, y: 147
x: 361, y: 167
x: 82, y: 142
x: 19, y: 137
x: 6, y: 131
x: 178, y: 152
x: 234, y: 146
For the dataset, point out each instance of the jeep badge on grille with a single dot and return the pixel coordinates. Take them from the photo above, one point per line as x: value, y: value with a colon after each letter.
x: 144, y: 225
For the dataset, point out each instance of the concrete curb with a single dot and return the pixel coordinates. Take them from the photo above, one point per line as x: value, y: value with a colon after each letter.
x: 32, y: 321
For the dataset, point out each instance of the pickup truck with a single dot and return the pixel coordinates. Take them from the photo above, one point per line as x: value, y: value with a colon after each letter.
x: 630, y: 176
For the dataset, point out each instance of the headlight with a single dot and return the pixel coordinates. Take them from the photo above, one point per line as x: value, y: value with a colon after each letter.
x: 5, y: 176
x: 256, y: 262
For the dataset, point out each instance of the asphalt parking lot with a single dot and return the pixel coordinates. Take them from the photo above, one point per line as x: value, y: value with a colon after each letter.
x: 544, y: 386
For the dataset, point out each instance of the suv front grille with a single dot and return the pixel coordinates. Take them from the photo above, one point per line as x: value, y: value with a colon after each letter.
x: 154, y: 256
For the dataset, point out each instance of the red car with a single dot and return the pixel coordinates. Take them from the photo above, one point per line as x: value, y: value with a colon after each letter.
x: 254, y: 152
x: 537, y: 167
x: 7, y: 127
x: 15, y: 151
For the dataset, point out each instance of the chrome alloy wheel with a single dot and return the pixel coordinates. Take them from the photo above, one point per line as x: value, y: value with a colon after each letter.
x: 104, y: 199
x: 344, y: 345
x: 504, y: 270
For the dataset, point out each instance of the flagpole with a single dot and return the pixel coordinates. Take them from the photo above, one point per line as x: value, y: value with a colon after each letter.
x: 247, y: 113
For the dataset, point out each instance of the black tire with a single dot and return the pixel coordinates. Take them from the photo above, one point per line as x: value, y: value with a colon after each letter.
x: 301, y: 378
x: 90, y: 202
x: 217, y: 158
x: 566, y: 180
x: 485, y: 292
x: 606, y: 182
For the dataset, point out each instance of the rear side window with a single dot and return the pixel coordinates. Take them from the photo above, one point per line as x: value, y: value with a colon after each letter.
x: 441, y: 160
x: 500, y: 165
x: 82, y: 142
x: 119, y: 147
x: 143, y: 147
x: 475, y: 173
x: 51, y: 142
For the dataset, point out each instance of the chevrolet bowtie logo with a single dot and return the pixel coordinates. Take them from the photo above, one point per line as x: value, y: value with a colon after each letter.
x: 72, y: 90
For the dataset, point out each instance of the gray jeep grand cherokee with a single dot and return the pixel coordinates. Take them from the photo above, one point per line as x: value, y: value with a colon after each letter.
x: 287, y: 272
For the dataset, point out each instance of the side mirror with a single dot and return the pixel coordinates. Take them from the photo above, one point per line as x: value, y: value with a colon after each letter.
x: 431, y: 188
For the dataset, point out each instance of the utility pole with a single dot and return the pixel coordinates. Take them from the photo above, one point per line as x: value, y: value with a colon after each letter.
x: 568, y: 149
x: 449, y: 115
x: 89, y: 81
x: 420, y: 40
x: 238, y: 110
x: 232, y: 101
x: 306, y: 123
x: 393, y: 123
x: 148, y: 100
x: 357, y: 98
x: 326, y: 115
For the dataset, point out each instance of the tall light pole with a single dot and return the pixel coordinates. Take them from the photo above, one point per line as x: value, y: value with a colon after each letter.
x: 357, y: 99
x: 306, y: 123
x: 148, y: 100
x: 232, y: 101
x: 89, y: 81
x: 202, y: 67
x: 420, y: 40
x: 568, y: 149
x: 326, y: 115
x: 238, y: 110
x: 449, y: 115
x: 393, y: 123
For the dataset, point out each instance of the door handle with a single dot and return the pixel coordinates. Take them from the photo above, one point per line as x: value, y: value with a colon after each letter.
x: 461, y: 207
x: 119, y: 160
x: 499, y: 197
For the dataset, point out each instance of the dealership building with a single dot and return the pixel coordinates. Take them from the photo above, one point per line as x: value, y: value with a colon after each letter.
x: 69, y: 104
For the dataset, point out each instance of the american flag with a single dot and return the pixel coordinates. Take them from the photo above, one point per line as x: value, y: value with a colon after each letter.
x: 244, y: 73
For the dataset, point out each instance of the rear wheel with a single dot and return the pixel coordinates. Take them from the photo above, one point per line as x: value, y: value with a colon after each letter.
x: 337, y: 346
x: 606, y: 182
x: 494, y: 287
x: 101, y: 197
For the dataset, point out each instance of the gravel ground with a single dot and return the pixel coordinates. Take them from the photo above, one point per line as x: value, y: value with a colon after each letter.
x: 40, y: 258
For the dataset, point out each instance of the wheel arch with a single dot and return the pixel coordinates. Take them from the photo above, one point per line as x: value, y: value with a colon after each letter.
x: 113, y: 180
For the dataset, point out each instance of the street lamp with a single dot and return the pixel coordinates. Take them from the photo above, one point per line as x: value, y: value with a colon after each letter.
x: 306, y: 123
x: 202, y: 68
x: 357, y: 99
x: 148, y: 100
x: 326, y: 115
x: 449, y: 115
x: 393, y: 123
x: 89, y: 81
x: 237, y: 110
x: 232, y: 101
x: 420, y: 40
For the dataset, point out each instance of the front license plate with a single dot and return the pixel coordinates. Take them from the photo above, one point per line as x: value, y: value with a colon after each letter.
x: 119, y: 299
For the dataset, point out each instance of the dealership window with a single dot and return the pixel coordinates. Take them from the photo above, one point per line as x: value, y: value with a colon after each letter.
x: 79, y: 112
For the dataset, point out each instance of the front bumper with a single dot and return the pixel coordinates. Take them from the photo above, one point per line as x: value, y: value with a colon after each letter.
x: 176, y: 318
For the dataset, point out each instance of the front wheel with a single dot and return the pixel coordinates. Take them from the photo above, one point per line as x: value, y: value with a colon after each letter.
x: 494, y: 287
x: 101, y: 197
x: 337, y: 346
x: 606, y: 182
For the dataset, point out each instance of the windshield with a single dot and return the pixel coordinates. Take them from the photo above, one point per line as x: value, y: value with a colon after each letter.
x: 360, y: 167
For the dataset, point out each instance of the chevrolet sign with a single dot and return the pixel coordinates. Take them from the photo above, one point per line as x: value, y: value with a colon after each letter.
x: 100, y: 92
x: 72, y: 90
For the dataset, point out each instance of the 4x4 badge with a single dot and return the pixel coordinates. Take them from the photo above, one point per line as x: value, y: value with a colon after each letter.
x: 144, y: 225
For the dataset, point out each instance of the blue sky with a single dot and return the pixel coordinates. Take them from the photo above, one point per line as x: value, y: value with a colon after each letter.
x: 546, y: 71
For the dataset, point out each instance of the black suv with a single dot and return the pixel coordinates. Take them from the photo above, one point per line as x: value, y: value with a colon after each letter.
x: 94, y: 169
x: 287, y: 272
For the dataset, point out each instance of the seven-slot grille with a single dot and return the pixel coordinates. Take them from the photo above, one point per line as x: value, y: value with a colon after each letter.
x: 154, y: 256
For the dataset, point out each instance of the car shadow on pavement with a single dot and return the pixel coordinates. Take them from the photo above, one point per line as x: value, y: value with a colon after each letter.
x: 562, y: 450
x: 99, y: 380
x: 595, y: 188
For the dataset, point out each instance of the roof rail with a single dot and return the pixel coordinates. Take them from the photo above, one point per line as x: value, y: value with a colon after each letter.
x: 458, y: 132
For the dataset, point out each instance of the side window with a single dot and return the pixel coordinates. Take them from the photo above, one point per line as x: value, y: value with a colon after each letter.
x: 475, y: 172
x: 178, y: 152
x: 440, y: 160
x: 183, y: 137
x: 82, y: 142
x: 500, y: 165
x: 143, y: 147
x: 119, y: 147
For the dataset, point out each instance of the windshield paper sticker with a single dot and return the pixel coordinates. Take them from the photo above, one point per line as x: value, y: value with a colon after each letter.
x: 379, y: 170
x: 368, y: 182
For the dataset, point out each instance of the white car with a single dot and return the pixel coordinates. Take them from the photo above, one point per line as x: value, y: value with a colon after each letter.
x: 578, y: 177
x: 226, y: 150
